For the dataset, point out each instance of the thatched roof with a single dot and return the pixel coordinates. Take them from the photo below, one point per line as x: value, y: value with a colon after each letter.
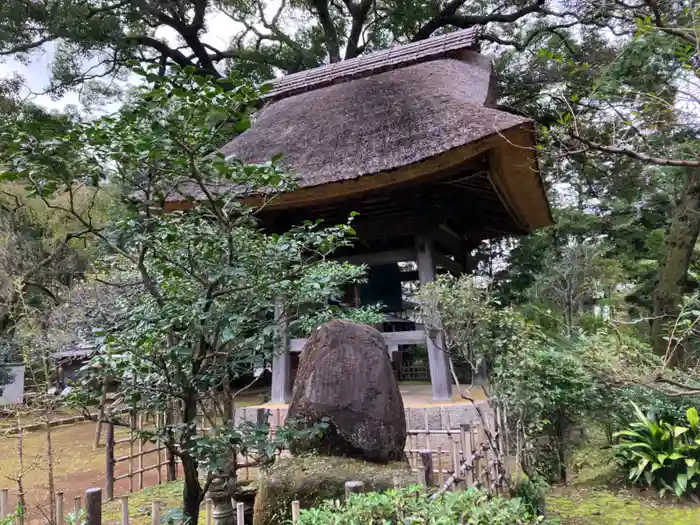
x: 377, y: 123
x: 419, y: 114
x: 443, y: 46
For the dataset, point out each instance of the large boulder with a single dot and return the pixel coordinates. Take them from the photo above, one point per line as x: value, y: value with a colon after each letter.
x: 311, y: 480
x: 345, y: 378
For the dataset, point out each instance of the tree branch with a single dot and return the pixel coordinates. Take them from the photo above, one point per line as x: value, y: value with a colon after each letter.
x: 449, y: 17
x: 359, y: 16
x: 637, y: 155
x: 332, y: 42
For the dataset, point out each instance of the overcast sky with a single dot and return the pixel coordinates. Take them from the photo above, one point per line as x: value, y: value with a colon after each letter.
x: 36, y: 73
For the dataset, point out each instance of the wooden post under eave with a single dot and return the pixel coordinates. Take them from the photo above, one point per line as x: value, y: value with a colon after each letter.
x: 438, y: 358
x: 282, y: 360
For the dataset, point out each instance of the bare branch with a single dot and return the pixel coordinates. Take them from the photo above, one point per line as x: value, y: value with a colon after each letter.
x: 449, y: 17
x: 637, y: 155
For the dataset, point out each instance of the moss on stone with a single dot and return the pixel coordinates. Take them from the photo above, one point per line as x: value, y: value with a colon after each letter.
x: 313, y: 479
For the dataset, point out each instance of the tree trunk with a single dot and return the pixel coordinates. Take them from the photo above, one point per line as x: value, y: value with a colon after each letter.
x: 672, y: 280
x: 192, y: 490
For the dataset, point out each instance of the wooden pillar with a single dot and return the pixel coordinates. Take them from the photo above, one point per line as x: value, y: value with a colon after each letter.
x: 282, y: 360
x: 93, y: 507
x: 438, y: 358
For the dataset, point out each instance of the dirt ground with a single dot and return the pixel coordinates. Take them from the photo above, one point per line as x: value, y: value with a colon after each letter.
x: 77, y: 466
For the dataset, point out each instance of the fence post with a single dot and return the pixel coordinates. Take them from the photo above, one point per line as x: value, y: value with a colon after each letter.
x: 210, y: 509
x: 93, y: 507
x: 467, y: 453
x: 125, y: 510
x: 77, y: 505
x: 155, y: 512
x: 4, y: 503
x: 109, y: 461
x: 295, y: 511
x: 59, y: 508
x: 426, y: 458
x: 171, y: 473
x: 353, y: 487
x: 456, y: 463
x: 240, y: 513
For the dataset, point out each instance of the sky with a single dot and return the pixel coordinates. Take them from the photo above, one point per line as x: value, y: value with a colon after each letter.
x: 37, y: 71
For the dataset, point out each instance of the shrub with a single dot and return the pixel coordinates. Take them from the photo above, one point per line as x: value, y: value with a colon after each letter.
x: 661, y: 454
x: 531, y: 492
x: 412, y: 505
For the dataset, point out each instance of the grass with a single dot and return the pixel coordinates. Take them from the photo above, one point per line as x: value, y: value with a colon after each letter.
x: 597, y: 495
x: 169, y: 495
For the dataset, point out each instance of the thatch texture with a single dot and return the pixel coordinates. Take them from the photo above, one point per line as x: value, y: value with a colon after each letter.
x: 378, y: 123
x: 443, y: 46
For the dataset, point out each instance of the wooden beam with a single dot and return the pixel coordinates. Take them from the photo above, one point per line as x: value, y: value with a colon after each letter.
x: 377, y: 258
x: 450, y: 241
x: 438, y: 359
x: 450, y: 265
x: 407, y: 277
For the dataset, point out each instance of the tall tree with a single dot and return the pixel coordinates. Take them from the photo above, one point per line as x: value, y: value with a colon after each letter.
x: 95, y: 40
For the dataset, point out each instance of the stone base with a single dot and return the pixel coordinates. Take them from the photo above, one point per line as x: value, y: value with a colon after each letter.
x: 447, y: 416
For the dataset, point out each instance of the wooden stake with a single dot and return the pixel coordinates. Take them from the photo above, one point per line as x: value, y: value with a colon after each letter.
x: 155, y: 512
x: 140, y: 461
x: 159, y: 459
x: 426, y: 458
x: 456, y: 461
x: 132, y: 425
x: 353, y: 487
x: 4, y: 503
x: 109, y: 460
x: 240, y: 513
x: 125, y: 510
x: 59, y: 508
x: 295, y: 511
x: 93, y: 507
x: 77, y: 505
x: 467, y: 452
x: 210, y: 508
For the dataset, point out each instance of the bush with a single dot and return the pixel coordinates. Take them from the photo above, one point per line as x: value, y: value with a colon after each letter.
x: 313, y: 479
x: 412, y: 505
x: 661, y: 454
x: 531, y: 492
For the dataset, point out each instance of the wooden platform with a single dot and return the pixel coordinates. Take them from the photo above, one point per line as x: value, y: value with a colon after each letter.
x: 415, y: 394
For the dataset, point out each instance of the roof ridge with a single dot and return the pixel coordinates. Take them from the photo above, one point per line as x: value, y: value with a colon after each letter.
x: 395, y: 57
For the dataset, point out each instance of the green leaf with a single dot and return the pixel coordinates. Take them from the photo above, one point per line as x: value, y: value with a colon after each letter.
x: 693, y: 417
x: 679, y: 431
x: 682, y: 482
